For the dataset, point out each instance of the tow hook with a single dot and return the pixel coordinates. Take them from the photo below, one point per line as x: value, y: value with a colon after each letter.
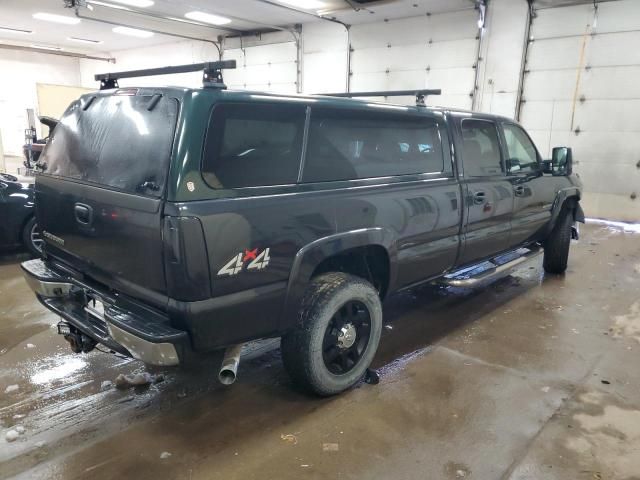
x: 79, y: 342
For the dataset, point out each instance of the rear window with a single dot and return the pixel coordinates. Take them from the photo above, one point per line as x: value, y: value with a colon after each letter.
x: 253, y: 145
x: 347, y: 145
x: 121, y: 142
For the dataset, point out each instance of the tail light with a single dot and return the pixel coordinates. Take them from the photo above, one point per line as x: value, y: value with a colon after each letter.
x: 186, y: 262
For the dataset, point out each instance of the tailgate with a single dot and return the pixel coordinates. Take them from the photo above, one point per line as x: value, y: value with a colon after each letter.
x: 99, y: 199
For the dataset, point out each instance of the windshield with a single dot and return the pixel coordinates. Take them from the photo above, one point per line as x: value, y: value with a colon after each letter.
x: 121, y: 142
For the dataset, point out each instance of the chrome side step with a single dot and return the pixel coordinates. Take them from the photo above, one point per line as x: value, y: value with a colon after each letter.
x: 494, y: 268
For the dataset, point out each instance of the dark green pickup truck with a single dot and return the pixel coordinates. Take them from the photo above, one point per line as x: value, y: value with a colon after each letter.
x: 180, y: 220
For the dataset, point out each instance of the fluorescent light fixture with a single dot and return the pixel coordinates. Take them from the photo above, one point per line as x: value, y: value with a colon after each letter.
x: 133, y: 32
x: 306, y: 4
x: 51, y: 17
x: 84, y: 40
x: 108, y: 5
x: 136, y: 3
x: 47, y: 47
x: 207, y: 18
x: 15, y: 30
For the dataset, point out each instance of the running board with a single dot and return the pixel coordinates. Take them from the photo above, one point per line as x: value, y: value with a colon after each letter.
x: 499, y: 266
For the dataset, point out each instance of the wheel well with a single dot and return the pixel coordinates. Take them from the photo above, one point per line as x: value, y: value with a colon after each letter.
x: 570, y: 203
x: 370, y: 262
x: 26, y: 220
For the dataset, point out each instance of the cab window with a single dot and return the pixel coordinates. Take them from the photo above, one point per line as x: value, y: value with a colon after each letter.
x: 480, y: 148
x: 522, y: 156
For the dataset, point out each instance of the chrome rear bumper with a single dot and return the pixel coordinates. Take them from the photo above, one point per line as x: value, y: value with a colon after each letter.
x: 148, y: 340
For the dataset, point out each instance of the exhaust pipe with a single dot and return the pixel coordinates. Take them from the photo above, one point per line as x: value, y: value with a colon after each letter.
x: 230, y: 362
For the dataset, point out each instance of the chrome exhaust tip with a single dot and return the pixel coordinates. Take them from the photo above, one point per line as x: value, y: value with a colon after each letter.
x: 229, y: 368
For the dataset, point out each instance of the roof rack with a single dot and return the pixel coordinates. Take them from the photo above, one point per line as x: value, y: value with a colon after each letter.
x: 211, y: 73
x: 419, y: 94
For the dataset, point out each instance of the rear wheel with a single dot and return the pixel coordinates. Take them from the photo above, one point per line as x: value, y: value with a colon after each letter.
x: 337, y: 336
x: 32, y: 238
x: 556, y: 246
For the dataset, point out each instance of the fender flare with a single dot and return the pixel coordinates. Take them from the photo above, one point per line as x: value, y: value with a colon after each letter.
x: 569, y: 194
x: 312, y: 254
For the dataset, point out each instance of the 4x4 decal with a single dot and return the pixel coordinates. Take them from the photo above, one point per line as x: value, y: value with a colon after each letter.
x: 258, y: 261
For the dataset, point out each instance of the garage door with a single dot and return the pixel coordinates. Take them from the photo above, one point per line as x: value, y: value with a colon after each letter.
x: 268, y: 68
x: 581, y: 90
x: 435, y: 51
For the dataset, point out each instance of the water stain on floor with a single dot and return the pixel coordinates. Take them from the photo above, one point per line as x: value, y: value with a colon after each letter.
x: 628, y: 325
x: 609, y: 437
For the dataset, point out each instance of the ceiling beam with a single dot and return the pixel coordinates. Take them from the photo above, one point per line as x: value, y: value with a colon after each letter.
x: 62, y: 53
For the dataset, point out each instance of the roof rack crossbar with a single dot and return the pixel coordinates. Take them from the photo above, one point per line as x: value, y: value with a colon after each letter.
x: 419, y: 94
x: 211, y: 76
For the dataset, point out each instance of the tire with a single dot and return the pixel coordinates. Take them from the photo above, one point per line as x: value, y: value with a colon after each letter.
x: 556, y: 246
x: 31, y: 237
x: 337, y: 310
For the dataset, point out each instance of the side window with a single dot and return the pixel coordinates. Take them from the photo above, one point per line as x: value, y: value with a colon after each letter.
x: 253, y: 145
x: 347, y: 145
x: 480, y: 148
x: 522, y: 156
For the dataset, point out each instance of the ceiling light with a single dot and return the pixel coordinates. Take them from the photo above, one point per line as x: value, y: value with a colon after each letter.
x: 47, y: 47
x: 308, y: 4
x: 207, y: 18
x: 133, y: 32
x: 15, y: 30
x: 50, y: 17
x: 84, y: 40
x: 108, y: 5
x: 136, y: 3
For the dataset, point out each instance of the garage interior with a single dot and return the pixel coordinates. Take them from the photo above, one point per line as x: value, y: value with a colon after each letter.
x: 528, y: 377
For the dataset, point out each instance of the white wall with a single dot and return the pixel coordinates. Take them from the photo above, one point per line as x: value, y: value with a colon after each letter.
x: 20, y: 73
x: 324, y: 63
x: 502, y: 49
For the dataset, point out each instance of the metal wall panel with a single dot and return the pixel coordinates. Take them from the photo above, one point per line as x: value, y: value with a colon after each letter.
x: 589, y: 101
x: 270, y: 67
x: 435, y: 51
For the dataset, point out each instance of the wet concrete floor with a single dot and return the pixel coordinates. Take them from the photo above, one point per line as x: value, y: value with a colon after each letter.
x: 530, y: 377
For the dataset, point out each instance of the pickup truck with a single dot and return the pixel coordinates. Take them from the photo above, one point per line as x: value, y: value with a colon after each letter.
x: 179, y: 220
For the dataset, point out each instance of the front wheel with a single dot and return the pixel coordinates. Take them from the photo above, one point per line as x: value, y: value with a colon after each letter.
x: 339, y: 328
x: 556, y: 246
x: 32, y: 238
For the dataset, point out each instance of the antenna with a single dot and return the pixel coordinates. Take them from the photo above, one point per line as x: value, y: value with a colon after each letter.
x: 211, y: 73
x: 420, y: 95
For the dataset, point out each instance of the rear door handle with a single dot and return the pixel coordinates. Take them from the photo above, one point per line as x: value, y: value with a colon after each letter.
x: 479, y: 197
x: 519, y: 190
x: 83, y: 213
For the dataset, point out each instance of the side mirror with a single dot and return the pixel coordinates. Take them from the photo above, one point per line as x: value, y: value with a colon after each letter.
x: 561, y: 161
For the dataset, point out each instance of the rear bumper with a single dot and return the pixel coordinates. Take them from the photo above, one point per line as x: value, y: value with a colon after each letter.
x: 141, y: 334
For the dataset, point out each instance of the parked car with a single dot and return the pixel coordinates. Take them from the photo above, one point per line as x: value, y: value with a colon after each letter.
x: 18, y: 227
x: 180, y: 220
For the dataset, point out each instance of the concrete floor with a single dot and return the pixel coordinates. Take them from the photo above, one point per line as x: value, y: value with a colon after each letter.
x: 531, y: 377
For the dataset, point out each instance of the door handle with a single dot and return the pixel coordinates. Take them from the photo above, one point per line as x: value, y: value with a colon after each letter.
x: 83, y: 213
x: 519, y: 190
x: 479, y: 197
